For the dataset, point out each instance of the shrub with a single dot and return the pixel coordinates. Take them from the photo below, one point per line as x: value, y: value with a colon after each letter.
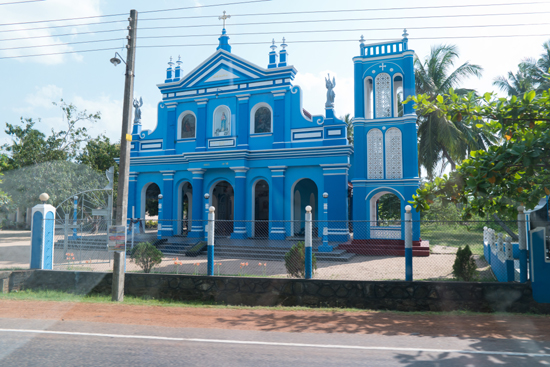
x: 465, y: 266
x: 146, y: 256
x: 295, y: 260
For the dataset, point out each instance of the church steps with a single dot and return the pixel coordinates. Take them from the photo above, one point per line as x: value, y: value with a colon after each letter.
x: 385, y: 248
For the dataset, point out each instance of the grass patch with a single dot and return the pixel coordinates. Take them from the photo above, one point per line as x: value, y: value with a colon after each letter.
x: 59, y: 296
x: 453, y: 236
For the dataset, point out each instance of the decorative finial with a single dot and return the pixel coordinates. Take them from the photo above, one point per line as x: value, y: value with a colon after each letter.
x: 362, y: 40
x: 224, y: 17
x: 170, y: 63
x: 273, y: 45
x: 44, y: 197
x: 405, y: 34
x: 283, y: 45
x: 179, y: 62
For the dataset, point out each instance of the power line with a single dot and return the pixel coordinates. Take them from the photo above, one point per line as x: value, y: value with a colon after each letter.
x: 348, y: 20
x: 342, y: 30
x: 61, y: 26
x: 124, y: 14
x: 268, y: 43
x: 288, y: 32
x: 62, y: 44
x: 21, y: 2
x: 62, y: 35
x: 350, y: 10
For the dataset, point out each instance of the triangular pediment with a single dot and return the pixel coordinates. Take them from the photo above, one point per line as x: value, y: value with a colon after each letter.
x: 224, y: 68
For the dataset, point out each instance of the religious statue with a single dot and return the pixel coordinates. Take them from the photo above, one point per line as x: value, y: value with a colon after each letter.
x: 137, y: 112
x: 330, y: 91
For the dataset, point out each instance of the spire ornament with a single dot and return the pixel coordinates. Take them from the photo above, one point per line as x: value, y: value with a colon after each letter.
x: 224, y: 17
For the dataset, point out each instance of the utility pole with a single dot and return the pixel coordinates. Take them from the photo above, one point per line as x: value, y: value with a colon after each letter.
x: 125, y: 138
x: 119, y: 264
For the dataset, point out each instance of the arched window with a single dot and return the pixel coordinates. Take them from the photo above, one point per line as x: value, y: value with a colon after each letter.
x: 398, y: 95
x: 368, y: 98
x: 394, y: 157
x: 382, y: 92
x: 187, y: 126
x: 375, y: 154
x: 261, y: 119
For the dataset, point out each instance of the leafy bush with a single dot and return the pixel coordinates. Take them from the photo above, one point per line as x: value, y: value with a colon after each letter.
x: 151, y: 224
x: 295, y: 261
x: 146, y: 256
x: 465, y: 266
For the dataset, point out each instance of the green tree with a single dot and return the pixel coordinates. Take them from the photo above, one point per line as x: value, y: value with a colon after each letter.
x: 516, y: 84
x: 511, y: 173
x: 441, y: 141
x: 349, y: 127
x: 146, y: 256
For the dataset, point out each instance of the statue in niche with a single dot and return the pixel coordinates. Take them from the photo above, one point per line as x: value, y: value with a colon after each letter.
x: 137, y: 110
x: 222, y: 125
x: 330, y: 91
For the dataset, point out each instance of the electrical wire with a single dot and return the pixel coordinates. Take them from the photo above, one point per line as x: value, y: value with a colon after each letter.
x: 347, y: 20
x: 62, y: 26
x: 62, y: 44
x: 62, y: 35
x: 21, y: 2
x: 269, y: 43
x: 342, y: 30
x: 287, y: 32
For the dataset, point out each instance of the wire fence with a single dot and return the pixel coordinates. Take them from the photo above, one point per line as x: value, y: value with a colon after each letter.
x: 346, y: 250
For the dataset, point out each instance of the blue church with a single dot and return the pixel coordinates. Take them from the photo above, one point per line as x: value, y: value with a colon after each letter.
x: 234, y: 135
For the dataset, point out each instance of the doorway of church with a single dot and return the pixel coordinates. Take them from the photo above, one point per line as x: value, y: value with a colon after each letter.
x: 150, y: 202
x: 261, y: 209
x: 186, y: 208
x: 223, y: 200
x: 305, y: 193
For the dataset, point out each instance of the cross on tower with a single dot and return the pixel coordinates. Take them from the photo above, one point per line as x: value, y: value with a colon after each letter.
x: 382, y: 66
x: 224, y: 17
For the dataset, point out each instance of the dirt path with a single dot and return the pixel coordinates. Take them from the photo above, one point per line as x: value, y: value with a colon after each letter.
x: 382, y: 323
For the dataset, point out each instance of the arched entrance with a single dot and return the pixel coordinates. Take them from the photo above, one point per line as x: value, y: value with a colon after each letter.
x: 150, y: 201
x: 185, y: 208
x: 304, y: 193
x: 261, y: 209
x: 385, y: 215
x: 223, y: 200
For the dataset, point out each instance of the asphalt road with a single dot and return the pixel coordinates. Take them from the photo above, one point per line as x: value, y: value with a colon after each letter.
x: 54, y: 343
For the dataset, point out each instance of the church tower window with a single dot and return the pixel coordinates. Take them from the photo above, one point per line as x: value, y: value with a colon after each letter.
x: 375, y: 154
x: 187, y: 125
x: 398, y: 95
x: 383, y: 95
x: 368, y: 98
x: 394, y: 156
x: 261, y: 119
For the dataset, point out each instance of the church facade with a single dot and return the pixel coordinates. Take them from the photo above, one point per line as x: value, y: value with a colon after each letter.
x: 234, y: 135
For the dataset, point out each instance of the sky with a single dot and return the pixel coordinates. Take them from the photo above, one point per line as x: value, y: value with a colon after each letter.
x: 496, y: 36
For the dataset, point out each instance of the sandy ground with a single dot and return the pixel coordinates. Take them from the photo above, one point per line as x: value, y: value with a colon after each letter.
x: 314, y: 321
x: 15, y: 252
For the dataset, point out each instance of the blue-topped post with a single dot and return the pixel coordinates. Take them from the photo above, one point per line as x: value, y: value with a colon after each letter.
x: 308, y: 245
x: 325, y: 247
x: 522, y: 245
x: 408, y: 245
x: 509, y: 259
x: 210, y: 243
x: 159, y: 225
x: 75, y: 218
x: 42, y: 234
x: 206, y: 215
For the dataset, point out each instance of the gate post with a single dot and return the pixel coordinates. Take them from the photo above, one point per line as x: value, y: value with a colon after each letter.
x: 408, y: 244
x: 159, y: 225
x: 308, y: 245
x: 42, y: 235
x: 522, y: 245
x: 325, y: 247
x: 210, y: 243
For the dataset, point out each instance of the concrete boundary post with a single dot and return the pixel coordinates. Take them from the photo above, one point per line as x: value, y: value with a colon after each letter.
x: 509, y: 253
x: 408, y: 244
x: 500, y: 242
x: 308, y: 245
x: 325, y: 247
x: 206, y: 207
x: 159, y: 225
x: 210, y: 243
x: 522, y: 234
x: 117, y: 294
x: 66, y: 234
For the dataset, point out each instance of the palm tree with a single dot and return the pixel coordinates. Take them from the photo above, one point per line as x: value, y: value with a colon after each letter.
x: 524, y: 80
x: 440, y: 141
x: 349, y: 126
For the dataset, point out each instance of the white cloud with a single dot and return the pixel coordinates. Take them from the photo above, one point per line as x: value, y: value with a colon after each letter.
x: 314, y: 92
x: 44, y: 96
x: 52, y: 9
